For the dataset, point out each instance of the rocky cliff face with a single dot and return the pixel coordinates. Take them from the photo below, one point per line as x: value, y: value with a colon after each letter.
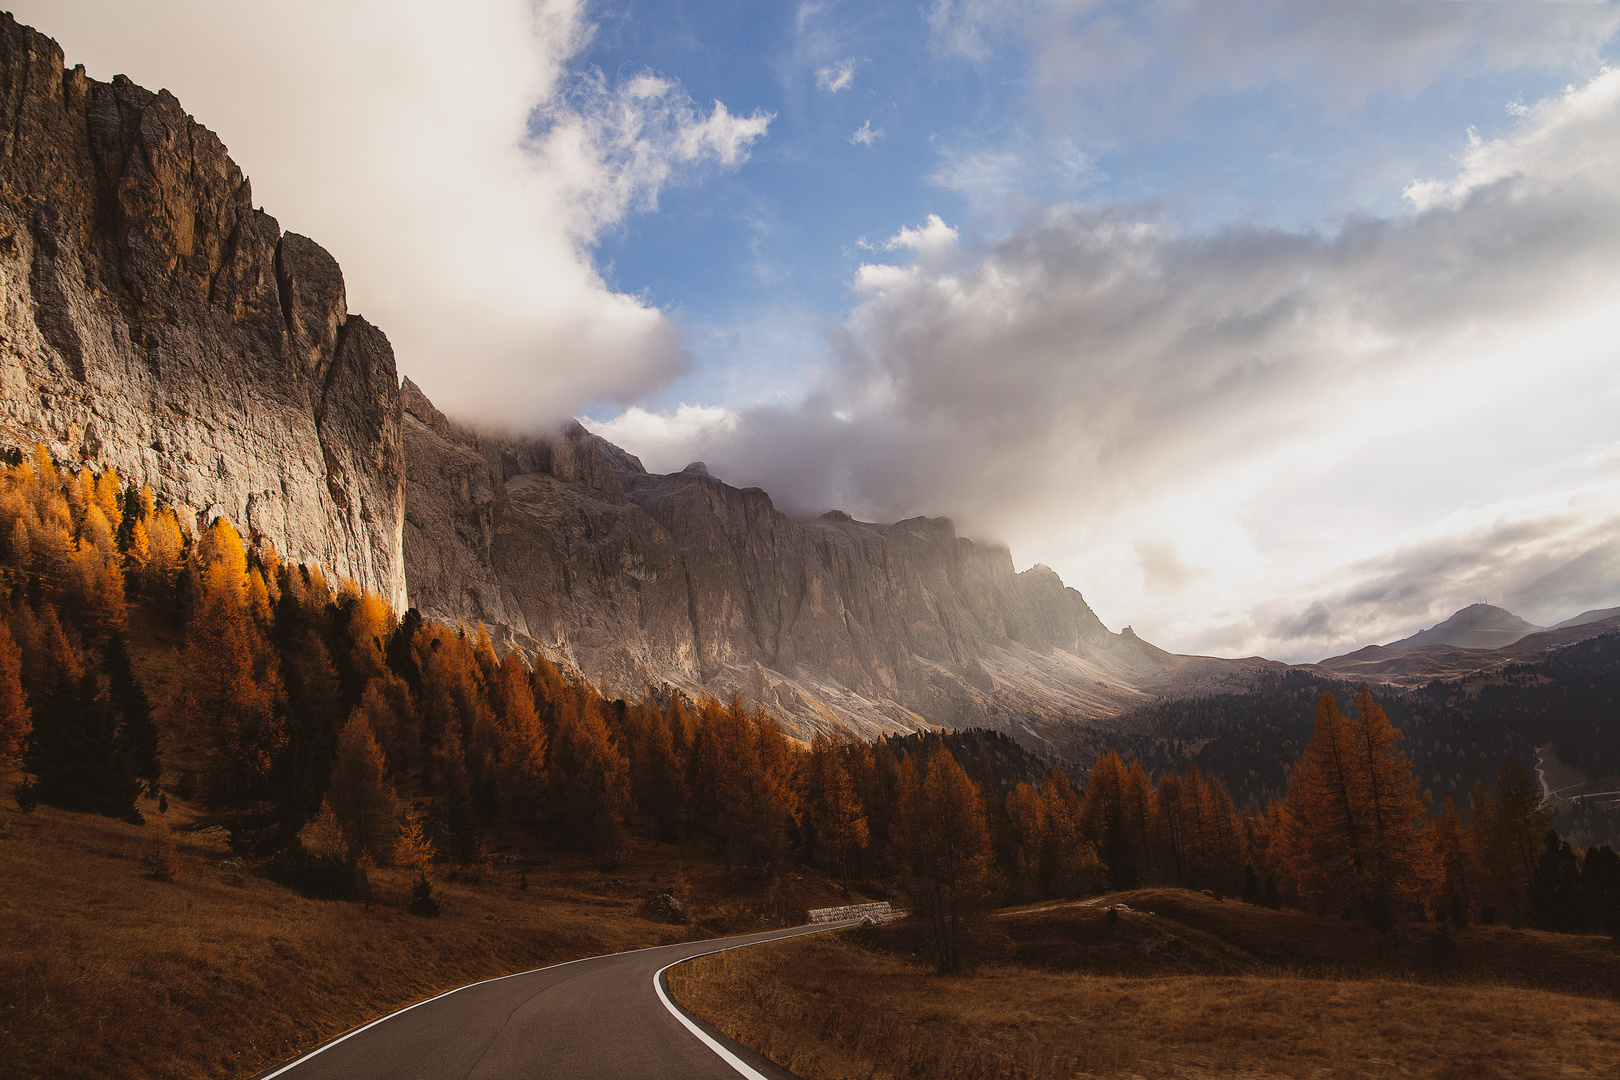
x: 153, y: 320
x: 568, y: 544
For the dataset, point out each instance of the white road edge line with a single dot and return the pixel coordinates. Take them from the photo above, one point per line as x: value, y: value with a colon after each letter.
x: 346, y: 1036
x: 742, y: 1067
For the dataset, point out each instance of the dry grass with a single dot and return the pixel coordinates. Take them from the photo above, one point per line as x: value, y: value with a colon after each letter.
x: 858, y: 1007
x: 106, y: 971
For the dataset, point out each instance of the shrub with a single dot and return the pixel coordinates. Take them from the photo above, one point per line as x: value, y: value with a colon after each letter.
x: 423, y: 902
x: 322, y: 877
x: 1381, y: 913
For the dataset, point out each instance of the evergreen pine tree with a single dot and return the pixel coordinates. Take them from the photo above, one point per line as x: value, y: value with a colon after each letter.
x: 1556, y: 893
x: 77, y: 756
x: 136, y: 712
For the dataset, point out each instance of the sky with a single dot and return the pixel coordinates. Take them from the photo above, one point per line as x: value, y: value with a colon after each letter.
x: 1276, y: 327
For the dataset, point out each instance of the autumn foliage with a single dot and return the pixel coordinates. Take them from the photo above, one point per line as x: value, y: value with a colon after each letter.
x: 336, y: 732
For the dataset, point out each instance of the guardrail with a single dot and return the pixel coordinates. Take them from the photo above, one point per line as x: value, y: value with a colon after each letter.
x: 851, y: 911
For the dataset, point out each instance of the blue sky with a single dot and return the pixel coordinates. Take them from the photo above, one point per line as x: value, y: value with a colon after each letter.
x: 1274, y: 326
x: 752, y: 261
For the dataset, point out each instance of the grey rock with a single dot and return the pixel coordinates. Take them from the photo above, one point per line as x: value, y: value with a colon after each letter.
x: 151, y: 319
x: 566, y: 544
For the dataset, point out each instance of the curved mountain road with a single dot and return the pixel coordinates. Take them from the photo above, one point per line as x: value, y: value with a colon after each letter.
x: 607, y: 1017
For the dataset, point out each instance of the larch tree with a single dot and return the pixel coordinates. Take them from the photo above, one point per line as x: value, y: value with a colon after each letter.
x: 96, y: 578
x: 1170, y: 840
x: 230, y: 680
x: 941, y: 843
x: 1400, y: 864
x: 78, y: 757
x: 657, y: 771
x: 16, y: 721
x: 743, y: 790
x: 1068, y: 863
x: 520, y: 771
x: 1452, y: 847
x: 833, y: 811
x: 135, y: 712
x: 1026, y: 823
x: 1325, y: 807
x: 1508, y: 824
x: 361, y: 796
x: 590, y: 781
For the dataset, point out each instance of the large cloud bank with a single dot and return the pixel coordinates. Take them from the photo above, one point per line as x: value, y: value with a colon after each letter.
x: 1162, y: 414
x: 454, y: 164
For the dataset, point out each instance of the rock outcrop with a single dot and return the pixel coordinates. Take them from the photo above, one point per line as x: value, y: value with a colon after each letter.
x: 567, y: 544
x: 151, y: 319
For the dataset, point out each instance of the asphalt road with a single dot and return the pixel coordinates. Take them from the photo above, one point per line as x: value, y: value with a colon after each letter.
x: 605, y: 1018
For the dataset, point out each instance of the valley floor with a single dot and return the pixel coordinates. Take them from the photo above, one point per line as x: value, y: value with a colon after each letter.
x: 1185, y: 992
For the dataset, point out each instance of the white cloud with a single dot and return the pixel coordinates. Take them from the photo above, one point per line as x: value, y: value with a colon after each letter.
x: 1558, y: 139
x: 836, y: 77
x: 1250, y: 438
x: 866, y: 135
x: 662, y: 440
x: 456, y: 167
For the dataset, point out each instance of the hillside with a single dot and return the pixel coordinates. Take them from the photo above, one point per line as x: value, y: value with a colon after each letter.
x: 1176, y: 985
x: 219, y: 972
x: 1412, y: 665
x: 1458, y: 731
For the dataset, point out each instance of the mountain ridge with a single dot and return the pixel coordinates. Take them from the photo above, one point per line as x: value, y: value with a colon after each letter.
x: 568, y: 544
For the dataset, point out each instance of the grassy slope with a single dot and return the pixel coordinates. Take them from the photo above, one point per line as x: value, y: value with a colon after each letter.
x: 1197, y: 988
x: 106, y: 972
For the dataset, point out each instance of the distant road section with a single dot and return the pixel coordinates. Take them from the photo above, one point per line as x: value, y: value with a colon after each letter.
x: 605, y: 1018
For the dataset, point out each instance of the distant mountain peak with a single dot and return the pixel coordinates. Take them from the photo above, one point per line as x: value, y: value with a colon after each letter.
x: 1592, y: 616
x: 1477, y: 626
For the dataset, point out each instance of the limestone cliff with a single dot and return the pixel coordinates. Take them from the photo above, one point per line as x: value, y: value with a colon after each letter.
x: 153, y: 320
x: 568, y: 544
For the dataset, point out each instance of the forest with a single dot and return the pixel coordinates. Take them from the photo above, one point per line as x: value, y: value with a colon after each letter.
x: 331, y: 737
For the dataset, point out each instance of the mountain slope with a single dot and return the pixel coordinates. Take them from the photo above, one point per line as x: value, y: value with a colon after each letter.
x: 640, y: 579
x: 1592, y: 616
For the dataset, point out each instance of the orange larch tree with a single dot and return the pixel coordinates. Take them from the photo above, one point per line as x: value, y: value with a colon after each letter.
x: 941, y: 844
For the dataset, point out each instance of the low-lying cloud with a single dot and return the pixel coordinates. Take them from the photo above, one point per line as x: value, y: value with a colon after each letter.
x: 1169, y: 417
x: 455, y: 163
